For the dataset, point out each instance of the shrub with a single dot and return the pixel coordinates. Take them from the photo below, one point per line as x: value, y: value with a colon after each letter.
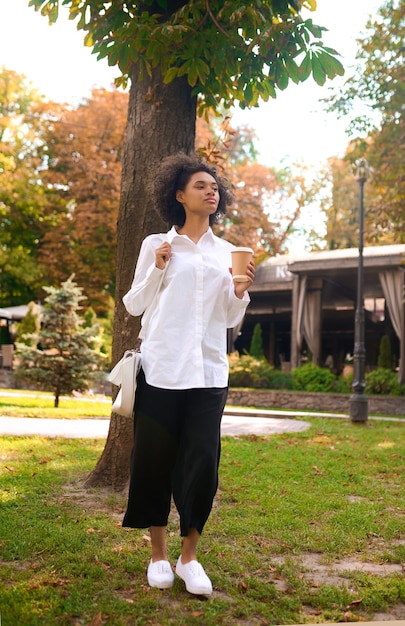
x: 246, y: 371
x: 280, y: 380
x: 383, y: 382
x: 311, y: 377
x: 343, y: 384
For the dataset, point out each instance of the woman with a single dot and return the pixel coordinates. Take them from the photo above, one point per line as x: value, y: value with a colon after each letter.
x: 184, y: 289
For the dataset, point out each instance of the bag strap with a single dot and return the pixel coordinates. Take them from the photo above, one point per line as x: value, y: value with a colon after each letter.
x: 118, y: 372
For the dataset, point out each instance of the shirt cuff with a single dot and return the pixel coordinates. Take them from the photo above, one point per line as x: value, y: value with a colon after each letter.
x: 244, y: 301
x: 154, y: 273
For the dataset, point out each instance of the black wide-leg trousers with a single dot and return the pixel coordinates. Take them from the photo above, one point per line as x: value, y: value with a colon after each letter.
x: 177, y: 444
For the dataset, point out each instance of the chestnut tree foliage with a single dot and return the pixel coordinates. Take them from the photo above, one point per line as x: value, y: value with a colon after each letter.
x: 180, y: 57
x: 229, y: 51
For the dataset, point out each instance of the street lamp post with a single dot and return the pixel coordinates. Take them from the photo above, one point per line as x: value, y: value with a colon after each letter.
x: 358, y: 401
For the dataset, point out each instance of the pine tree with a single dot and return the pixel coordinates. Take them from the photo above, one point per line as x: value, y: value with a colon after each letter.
x: 384, y: 356
x: 64, y: 358
x: 256, y: 345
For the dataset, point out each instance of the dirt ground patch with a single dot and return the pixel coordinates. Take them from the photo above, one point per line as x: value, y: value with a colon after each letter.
x: 314, y: 568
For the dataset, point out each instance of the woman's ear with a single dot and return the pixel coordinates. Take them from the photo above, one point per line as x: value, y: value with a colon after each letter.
x: 179, y: 196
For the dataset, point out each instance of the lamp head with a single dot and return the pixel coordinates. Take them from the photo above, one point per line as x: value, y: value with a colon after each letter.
x: 362, y: 170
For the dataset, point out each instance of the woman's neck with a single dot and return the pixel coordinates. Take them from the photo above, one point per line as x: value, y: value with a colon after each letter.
x: 194, y: 229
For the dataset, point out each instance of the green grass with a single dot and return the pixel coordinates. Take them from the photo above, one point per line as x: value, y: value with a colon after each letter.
x: 39, y: 404
x: 333, y: 492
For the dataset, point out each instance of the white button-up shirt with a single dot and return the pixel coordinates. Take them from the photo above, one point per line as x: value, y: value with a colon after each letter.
x: 186, y: 309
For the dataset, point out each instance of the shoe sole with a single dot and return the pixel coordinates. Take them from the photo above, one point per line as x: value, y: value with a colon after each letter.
x: 167, y: 585
x: 195, y: 590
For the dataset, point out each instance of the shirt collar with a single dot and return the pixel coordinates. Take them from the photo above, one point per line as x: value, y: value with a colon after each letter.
x: 207, y: 236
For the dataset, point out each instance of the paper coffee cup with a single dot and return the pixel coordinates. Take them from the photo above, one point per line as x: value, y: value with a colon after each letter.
x: 240, y: 261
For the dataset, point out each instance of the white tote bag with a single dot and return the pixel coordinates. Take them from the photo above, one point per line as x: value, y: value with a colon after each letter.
x: 124, y: 375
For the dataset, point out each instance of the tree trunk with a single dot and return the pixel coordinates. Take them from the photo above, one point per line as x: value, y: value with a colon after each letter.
x: 161, y: 121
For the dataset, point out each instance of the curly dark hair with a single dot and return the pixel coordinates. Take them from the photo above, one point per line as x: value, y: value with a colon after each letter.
x: 173, y: 174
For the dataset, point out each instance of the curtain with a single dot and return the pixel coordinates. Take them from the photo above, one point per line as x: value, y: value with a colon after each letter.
x: 392, y: 282
x: 300, y: 313
x: 310, y: 315
x: 307, y: 314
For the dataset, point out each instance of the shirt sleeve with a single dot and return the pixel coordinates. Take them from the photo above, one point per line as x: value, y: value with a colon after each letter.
x: 146, y: 280
x: 236, y: 308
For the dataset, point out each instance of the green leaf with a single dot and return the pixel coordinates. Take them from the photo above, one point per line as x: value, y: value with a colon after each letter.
x: 305, y: 68
x: 315, y: 30
x: 292, y: 69
x: 330, y: 51
x: 318, y: 72
x: 192, y: 74
x: 267, y: 89
x: 331, y: 65
x: 248, y: 93
x: 203, y: 70
x: 281, y: 75
x: 170, y: 75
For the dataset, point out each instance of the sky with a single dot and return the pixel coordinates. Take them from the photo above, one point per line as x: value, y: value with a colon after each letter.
x: 293, y: 127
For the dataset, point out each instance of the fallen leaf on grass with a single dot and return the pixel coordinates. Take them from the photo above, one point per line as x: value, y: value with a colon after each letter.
x: 352, y: 617
x: 310, y: 611
x: 58, y: 582
x: 97, y: 620
x: 197, y: 613
x: 46, y: 459
x: 10, y: 469
x: 322, y: 439
x: 354, y: 603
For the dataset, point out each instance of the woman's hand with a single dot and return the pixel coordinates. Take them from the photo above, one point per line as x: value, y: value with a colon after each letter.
x: 162, y: 255
x: 241, y: 287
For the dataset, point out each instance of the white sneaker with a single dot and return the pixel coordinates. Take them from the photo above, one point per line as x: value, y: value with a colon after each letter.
x: 160, y: 574
x: 197, y: 581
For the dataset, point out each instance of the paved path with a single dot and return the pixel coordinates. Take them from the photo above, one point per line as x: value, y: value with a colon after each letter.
x: 232, y: 425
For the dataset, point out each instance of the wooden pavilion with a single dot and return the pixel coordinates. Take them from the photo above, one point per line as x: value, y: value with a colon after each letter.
x: 307, y: 304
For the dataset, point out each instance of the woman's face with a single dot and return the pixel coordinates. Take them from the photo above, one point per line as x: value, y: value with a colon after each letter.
x: 200, y: 196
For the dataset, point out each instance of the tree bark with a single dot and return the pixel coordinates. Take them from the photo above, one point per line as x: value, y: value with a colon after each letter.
x: 161, y: 121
